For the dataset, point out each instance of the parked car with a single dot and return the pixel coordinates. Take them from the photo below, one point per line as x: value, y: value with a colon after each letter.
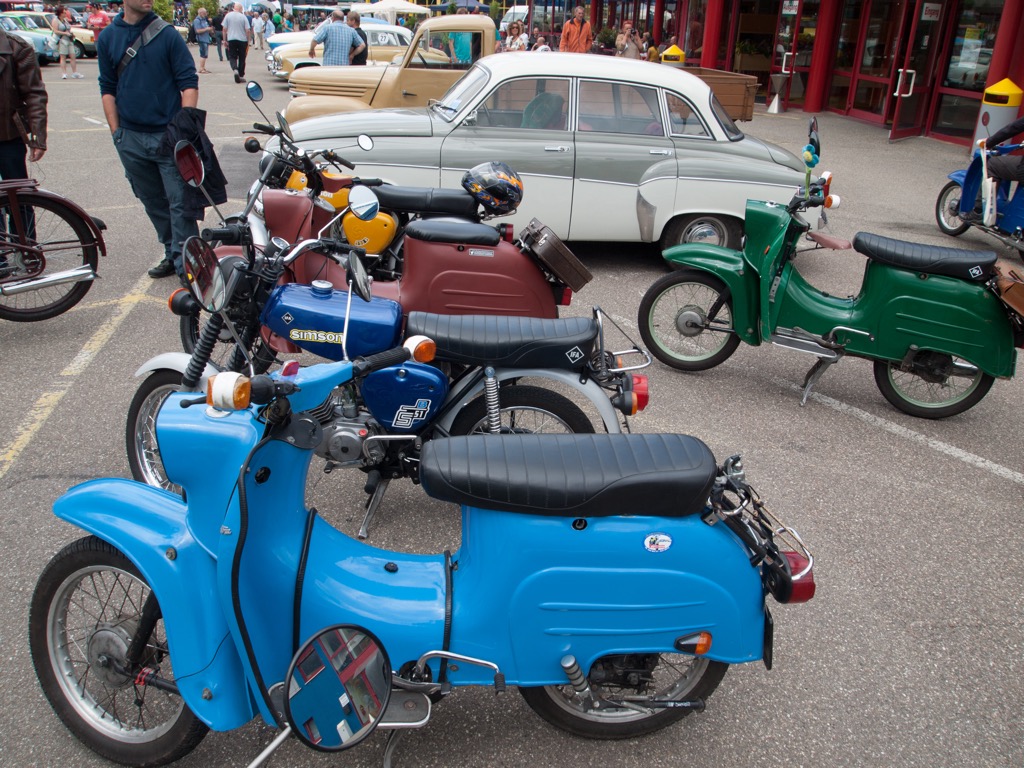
x: 386, y: 42
x: 608, y: 149
x: 278, y: 39
x: 44, y: 53
x: 442, y: 49
x: 85, y: 40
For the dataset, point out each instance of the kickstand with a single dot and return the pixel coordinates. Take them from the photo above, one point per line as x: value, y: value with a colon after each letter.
x: 816, y: 372
x: 389, y: 750
x: 371, y: 506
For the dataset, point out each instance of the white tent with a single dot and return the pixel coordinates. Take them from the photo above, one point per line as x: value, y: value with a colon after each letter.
x: 389, y: 9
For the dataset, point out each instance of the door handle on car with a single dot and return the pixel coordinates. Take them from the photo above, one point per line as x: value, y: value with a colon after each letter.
x: 557, y: 149
x: 406, y: 93
x: 661, y: 151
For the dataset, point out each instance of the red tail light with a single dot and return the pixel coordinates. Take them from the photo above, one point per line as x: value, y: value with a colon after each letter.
x: 566, y: 298
x: 505, y: 230
x: 641, y: 390
x: 803, y: 588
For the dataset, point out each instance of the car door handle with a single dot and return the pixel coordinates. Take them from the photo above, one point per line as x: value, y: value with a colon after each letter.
x: 660, y: 152
x: 406, y: 93
x: 557, y: 149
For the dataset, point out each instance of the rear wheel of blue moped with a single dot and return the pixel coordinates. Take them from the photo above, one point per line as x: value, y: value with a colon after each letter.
x: 85, y: 610
x: 935, y: 387
x: 947, y: 210
x: 633, y: 677
x: 675, y: 324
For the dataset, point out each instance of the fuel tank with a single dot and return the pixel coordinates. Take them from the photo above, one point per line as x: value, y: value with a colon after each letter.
x: 312, y: 317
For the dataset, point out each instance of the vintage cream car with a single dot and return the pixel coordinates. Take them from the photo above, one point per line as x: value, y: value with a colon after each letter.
x: 608, y: 148
x: 386, y: 42
x: 441, y: 51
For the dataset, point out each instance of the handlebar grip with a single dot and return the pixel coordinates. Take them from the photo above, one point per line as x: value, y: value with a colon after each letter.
x: 333, y: 157
x: 229, y: 235
x: 264, y: 128
x: 369, y: 182
x: 364, y: 365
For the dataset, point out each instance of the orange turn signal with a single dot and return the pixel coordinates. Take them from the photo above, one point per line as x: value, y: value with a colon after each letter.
x: 228, y: 391
x: 421, y: 349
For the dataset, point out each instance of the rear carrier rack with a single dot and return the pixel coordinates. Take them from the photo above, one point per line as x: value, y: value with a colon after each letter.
x: 550, y: 251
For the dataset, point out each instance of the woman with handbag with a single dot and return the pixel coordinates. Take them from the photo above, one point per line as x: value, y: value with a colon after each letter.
x: 61, y: 26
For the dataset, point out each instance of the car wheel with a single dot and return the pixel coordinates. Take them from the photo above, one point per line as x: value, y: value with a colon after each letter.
x: 79, y: 50
x: 705, y: 228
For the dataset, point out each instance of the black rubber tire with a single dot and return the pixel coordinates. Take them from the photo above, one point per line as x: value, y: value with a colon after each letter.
x: 140, y: 438
x: 55, y: 223
x: 556, y: 705
x: 190, y: 326
x: 660, y: 315
x: 708, y: 228
x: 950, y: 223
x: 108, y: 588
x: 932, y: 409
x: 521, y: 402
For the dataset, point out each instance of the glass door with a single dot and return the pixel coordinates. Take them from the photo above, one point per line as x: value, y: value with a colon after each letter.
x: 794, y: 41
x: 916, y: 75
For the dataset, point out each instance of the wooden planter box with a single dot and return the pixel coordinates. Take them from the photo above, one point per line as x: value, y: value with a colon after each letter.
x: 736, y: 92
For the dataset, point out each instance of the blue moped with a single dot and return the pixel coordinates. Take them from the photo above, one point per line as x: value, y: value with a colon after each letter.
x: 612, y: 578
x: 954, y: 208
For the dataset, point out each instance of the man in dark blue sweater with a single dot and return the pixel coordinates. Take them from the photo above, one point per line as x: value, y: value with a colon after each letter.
x: 138, y: 103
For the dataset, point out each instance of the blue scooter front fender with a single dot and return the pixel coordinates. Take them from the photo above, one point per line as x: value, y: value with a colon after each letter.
x: 148, y: 526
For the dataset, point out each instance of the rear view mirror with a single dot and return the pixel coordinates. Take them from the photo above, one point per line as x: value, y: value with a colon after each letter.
x: 202, y: 272
x: 365, y: 142
x: 285, y: 128
x: 339, y: 685
x: 189, y: 164
x: 363, y: 203
x: 812, y: 136
x: 358, y: 277
x: 254, y: 91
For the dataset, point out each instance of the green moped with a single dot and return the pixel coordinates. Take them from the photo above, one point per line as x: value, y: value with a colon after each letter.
x: 930, y: 318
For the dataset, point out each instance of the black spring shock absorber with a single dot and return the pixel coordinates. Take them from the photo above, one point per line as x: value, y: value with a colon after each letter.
x: 201, y: 354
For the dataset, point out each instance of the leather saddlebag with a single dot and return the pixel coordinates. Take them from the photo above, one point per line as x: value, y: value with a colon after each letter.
x: 1010, y: 284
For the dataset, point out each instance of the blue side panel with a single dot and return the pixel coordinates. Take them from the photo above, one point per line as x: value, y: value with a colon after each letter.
x: 145, y: 523
x: 315, y: 321
x: 531, y: 589
x: 405, y: 397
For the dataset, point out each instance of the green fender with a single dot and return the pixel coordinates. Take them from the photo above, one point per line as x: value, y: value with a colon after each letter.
x: 730, y: 267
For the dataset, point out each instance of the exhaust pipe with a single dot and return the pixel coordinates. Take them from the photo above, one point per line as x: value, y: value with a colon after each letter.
x: 76, y: 275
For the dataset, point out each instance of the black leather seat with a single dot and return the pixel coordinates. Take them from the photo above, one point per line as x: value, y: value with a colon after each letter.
x: 427, y: 201
x: 571, y: 475
x: 506, y: 342
x: 930, y: 259
x: 452, y: 231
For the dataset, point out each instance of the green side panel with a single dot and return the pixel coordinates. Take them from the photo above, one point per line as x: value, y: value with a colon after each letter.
x: 730, y: 267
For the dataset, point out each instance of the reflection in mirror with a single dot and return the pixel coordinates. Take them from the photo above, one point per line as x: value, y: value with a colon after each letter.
x: 202, y: 272
x: 189, y: 164
x: 254, y: 91
x: 812, y: 136
x: 363, y: 202
x: 339, y: 684
x: 285, y: 128
x: 365, y: 142
x: 358, y: 277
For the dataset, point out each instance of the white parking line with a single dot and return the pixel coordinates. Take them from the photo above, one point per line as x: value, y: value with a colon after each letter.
x: 936, y: 445
x: 47, y: 402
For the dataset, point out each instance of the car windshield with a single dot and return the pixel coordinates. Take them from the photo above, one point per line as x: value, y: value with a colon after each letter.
x: 461, y: 93
x: 29, y: 23
x: 731, y: 130
x: 8, y: 25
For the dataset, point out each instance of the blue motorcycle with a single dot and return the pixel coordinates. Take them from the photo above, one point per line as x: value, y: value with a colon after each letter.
x: 474, y: 385
x: 955, y: 207
x: 613, y: 598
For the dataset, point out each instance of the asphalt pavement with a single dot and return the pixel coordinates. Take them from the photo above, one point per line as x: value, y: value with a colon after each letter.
x: 909, y: 655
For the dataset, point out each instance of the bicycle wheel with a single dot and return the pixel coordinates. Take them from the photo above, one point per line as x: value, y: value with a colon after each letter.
x: 53, y: 239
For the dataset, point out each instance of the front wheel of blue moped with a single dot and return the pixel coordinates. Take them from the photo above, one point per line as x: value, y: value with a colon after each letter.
x: 933, y: 386
x: 86, y: 609
x: 676, y: 323
x: 947, y: 210
x: 633, y: 678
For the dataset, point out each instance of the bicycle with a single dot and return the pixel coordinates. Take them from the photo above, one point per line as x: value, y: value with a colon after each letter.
x: 49, y: 251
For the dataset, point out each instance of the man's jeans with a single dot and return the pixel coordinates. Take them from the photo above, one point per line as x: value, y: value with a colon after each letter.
x: 157, y: 184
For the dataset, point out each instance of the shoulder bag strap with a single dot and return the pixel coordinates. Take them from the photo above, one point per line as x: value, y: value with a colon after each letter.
x: 151, y: 30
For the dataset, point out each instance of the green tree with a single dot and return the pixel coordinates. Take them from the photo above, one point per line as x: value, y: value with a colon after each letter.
x: 164, y: 9
x: 212, y: 8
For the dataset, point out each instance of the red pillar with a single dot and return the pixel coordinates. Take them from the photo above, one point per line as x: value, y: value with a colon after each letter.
x: 1007, y: 38
x: 712, y: 33
x: 822, y: 55
x: 659, y: 20
x: 595, y: 15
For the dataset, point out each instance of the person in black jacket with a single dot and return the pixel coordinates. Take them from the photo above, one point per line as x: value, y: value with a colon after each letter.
x: 190, y: 125
x: 1007, y: 166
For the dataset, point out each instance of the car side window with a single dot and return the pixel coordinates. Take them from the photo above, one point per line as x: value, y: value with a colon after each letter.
x: 683, y: 119
x: 529, y: 103
x: 607, y: 107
